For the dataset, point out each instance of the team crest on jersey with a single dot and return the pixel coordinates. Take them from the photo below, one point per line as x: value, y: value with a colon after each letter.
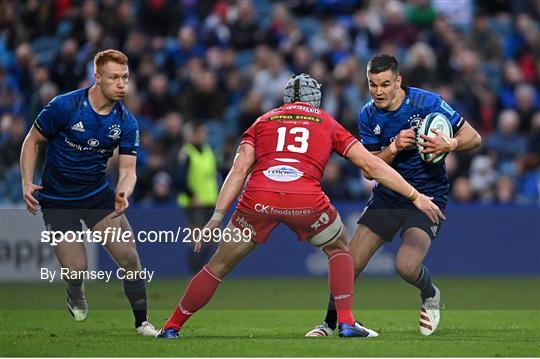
x: 415, y: 121
x: 114, y: 132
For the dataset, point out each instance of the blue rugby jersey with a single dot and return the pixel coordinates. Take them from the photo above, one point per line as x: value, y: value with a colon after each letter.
x: 378, y: 128
x: 80, y: 143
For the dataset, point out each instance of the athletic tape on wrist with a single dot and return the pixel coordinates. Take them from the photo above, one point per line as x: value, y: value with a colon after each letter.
x: 217, y: 216
x: 413, y: 196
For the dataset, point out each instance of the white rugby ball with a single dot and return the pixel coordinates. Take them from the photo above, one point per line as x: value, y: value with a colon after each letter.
x: 438, y: 121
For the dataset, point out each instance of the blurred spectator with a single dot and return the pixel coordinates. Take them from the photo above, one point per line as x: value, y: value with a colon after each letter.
x: 185, y: 48
x: 158, y: 101
x: 271, y: 81
x: 507, y: 143
x: 527, y: 99
x: 169, y: 139
x: 159, y: 18
x: 420, y: 67
x: 203, y: 101
x: 155, y: 163
x: 245, y: 29
x: 482, y: 178
x: 421, y: 13
x: 504, y: 190
x: 25, y: 60
x: 251, y: 109
x: 66, y: 71
x: 396, y: 29
x: 223, y: 63
x: 13, y: 132
x: 332, y: 183
x: 161, y: 195
x: 46, y: 92
x: 528, y: 186
x: 197, y: 179
x: 485, y: 39
x: 462, y: 191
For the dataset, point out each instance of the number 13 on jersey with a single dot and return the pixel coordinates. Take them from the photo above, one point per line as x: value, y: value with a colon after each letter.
x: 300, y: 142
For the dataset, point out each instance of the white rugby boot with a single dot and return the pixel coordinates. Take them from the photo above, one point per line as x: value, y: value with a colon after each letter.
x: 146, y: 329
x: 430, y: 313
x: 321, y: 330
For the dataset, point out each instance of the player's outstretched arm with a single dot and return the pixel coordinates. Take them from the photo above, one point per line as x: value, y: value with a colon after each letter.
x: 29, y: 153
x: 127, y: 178
x: 379, y: 170
x: 243, y: 161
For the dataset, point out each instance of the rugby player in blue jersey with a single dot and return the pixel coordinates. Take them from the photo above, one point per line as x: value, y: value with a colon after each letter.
x: 81, y: 130
x: 387, y: 127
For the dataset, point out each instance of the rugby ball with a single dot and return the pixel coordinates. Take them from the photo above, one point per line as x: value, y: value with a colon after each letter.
x: 438, y: 121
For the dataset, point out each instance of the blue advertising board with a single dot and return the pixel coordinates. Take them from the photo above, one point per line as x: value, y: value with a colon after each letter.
x: 474, y: 240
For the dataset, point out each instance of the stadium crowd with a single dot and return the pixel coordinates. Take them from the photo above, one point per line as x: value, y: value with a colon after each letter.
x: 224, y: 63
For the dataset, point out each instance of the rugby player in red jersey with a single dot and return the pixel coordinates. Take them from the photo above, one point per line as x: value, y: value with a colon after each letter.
x: 285, y: 152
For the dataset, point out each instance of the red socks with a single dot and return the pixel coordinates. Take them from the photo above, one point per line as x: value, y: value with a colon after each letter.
x: 341, y: 281
x: 202, y: 286
x: 199, y: 291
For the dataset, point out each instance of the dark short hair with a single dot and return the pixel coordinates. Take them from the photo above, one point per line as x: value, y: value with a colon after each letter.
x: 381, y: 63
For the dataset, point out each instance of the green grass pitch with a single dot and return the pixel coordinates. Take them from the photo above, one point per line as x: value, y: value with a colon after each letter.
x: 268, y: 317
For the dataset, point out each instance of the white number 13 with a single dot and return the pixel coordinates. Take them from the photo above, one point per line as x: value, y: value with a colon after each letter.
x: 302, y: 139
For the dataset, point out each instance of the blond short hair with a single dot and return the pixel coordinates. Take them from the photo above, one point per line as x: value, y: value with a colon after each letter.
x: 103, y: 57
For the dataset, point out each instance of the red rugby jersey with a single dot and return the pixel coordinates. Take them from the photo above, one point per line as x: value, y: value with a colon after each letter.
x: 292, y: 146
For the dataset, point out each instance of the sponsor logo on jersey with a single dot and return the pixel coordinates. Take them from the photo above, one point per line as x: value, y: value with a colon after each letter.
x: 267, y: 209
x: 79, y: 147
x: 293, y: 117
x: 377, y: 130
x: 114, y: 132
x: 303, y: 108
x: 93, y: 142
x: 242, y: 221
x: 78, y: 127
x: 283, y: 173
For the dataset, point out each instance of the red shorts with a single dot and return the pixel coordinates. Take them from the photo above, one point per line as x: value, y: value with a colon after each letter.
x: 305, y: 214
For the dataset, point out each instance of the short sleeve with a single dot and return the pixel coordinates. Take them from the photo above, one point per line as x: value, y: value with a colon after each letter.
x: 52, y: 119
x: 249, y: 136
x: 129, y: 138
x: 344, y: 140
x: 370, y: 141
x: 456, y: 120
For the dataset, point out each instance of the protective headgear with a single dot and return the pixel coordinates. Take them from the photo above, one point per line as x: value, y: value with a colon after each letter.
x: 302, y: 88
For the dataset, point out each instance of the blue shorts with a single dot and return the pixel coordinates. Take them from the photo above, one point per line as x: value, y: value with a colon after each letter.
x: 386, y: 217
x: 67, y: 215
